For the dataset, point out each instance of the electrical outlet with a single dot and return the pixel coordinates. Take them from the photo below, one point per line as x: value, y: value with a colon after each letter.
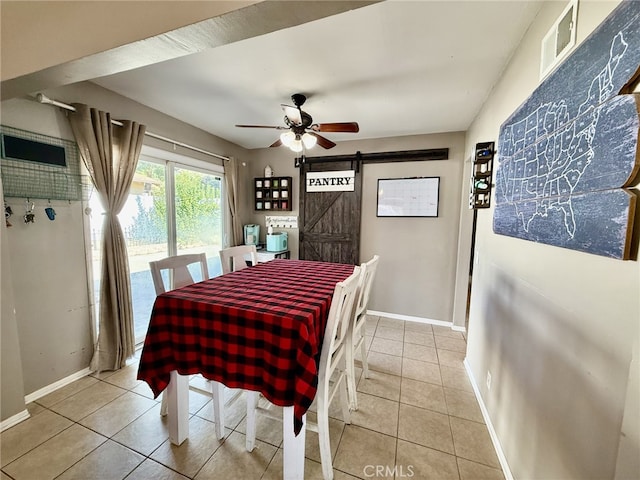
x: 488, y: 380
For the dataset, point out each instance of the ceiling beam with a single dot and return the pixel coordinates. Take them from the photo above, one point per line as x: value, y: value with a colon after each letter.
x: 250, y: 21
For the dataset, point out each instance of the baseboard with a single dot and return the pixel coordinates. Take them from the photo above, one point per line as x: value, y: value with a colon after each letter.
x: 411, y: 318
x: 56, y: 385
x: 14, y: 420
x: 487, y: 420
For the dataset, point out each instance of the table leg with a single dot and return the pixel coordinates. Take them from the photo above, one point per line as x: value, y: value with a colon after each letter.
x: 293, y: 463
x: 178, y: 407
x: 252, y: 404
x: 217, y: 390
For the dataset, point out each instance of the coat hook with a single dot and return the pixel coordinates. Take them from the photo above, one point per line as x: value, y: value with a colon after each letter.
x: 51, y: 213
x: 29, y: 216
x: 7, y: 213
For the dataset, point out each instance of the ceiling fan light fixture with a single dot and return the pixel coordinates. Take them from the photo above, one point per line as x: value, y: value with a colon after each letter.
x: 287, y: 138
x: 301, y: 133
x: 296, y: 145
x: 309, y: 140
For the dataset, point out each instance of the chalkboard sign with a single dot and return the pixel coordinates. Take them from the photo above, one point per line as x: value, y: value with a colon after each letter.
x: 23, y: 149
x: 408, y: 197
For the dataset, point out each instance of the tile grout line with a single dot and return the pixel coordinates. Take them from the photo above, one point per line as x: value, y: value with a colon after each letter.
x: 235, y: 429
x: 77, y: 422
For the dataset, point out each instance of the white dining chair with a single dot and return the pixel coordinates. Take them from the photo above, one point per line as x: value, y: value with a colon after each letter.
x: 356, y: 331
x: 332, y: 375
x: 233, y: 258
x: 177, y: 268
x: 178, y: 275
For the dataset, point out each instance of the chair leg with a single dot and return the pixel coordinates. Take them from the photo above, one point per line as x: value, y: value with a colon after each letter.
x: 252, y: 404
x: 323, y: 439
x: 344, y: 398
x: 363, y: 354
x: 163, y: 405
x: 217, y: 393
x: 351, y: 373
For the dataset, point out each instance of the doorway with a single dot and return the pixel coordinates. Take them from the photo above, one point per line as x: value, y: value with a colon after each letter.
x: 330, y: 221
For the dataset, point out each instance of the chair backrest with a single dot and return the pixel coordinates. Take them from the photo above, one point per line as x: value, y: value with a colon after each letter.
x: 342, y: 303
x: 366, y: 280
x: 179, y: 275
x: 233, y: 258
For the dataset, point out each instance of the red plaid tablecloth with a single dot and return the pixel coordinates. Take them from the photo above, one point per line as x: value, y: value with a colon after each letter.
x: 260, y: 329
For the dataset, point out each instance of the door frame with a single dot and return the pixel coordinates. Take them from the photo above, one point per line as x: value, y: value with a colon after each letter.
x: 308, y: 167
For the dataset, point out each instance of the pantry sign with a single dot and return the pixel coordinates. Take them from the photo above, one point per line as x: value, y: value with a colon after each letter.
x: 338, y: 181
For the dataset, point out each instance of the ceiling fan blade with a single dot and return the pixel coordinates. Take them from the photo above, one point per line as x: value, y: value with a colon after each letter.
x: 293, y: 114
x: 347, y: 127
x: 277, y: 143
x: 262, y: 126
x: 322, y: 141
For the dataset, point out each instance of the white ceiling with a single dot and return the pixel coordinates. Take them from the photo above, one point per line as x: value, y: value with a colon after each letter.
x: 396, y: 67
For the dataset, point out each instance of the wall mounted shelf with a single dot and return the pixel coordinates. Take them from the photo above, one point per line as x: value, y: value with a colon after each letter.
x: 35, y: 178
x: 272, y: 194
x: 482, y: 169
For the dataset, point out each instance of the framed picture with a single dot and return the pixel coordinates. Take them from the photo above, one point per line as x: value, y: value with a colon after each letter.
x: 408, y: 197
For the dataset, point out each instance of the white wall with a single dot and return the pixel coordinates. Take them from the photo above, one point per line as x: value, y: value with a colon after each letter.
x: 417, y: 271
x: 555, y: 327
x: 48, y: 271
x: 11, y: 399
x: 51, y: 293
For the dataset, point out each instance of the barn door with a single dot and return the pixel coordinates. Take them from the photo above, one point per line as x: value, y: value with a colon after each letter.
x: 330, y: 221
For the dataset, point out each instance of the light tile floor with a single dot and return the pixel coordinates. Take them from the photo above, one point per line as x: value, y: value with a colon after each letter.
x: 418, y: 419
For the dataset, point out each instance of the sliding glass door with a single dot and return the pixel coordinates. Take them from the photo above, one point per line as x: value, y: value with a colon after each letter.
x: 198, y: 215
x: 173, y: 208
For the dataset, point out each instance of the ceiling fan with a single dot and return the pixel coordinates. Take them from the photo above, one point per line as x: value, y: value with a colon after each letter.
x: 301, y: 131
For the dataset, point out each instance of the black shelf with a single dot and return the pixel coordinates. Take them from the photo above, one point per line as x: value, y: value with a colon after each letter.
x: 482, y: 174
x: 272, y: 194
x: 480, y: 197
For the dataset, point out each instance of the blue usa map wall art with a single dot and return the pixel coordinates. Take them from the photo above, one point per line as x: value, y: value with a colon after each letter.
x: 567, y: 154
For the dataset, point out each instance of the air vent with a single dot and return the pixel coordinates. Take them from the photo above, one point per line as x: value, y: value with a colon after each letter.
x: 559, y: 40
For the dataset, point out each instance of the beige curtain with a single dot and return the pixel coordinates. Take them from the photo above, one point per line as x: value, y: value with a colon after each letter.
x: 231, y: 181
x: 111, y: 155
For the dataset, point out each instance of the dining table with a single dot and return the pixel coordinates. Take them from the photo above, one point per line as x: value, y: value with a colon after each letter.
x: 260, y: 328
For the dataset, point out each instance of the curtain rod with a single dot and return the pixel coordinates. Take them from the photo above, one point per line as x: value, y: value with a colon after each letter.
x: 42, y: 98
